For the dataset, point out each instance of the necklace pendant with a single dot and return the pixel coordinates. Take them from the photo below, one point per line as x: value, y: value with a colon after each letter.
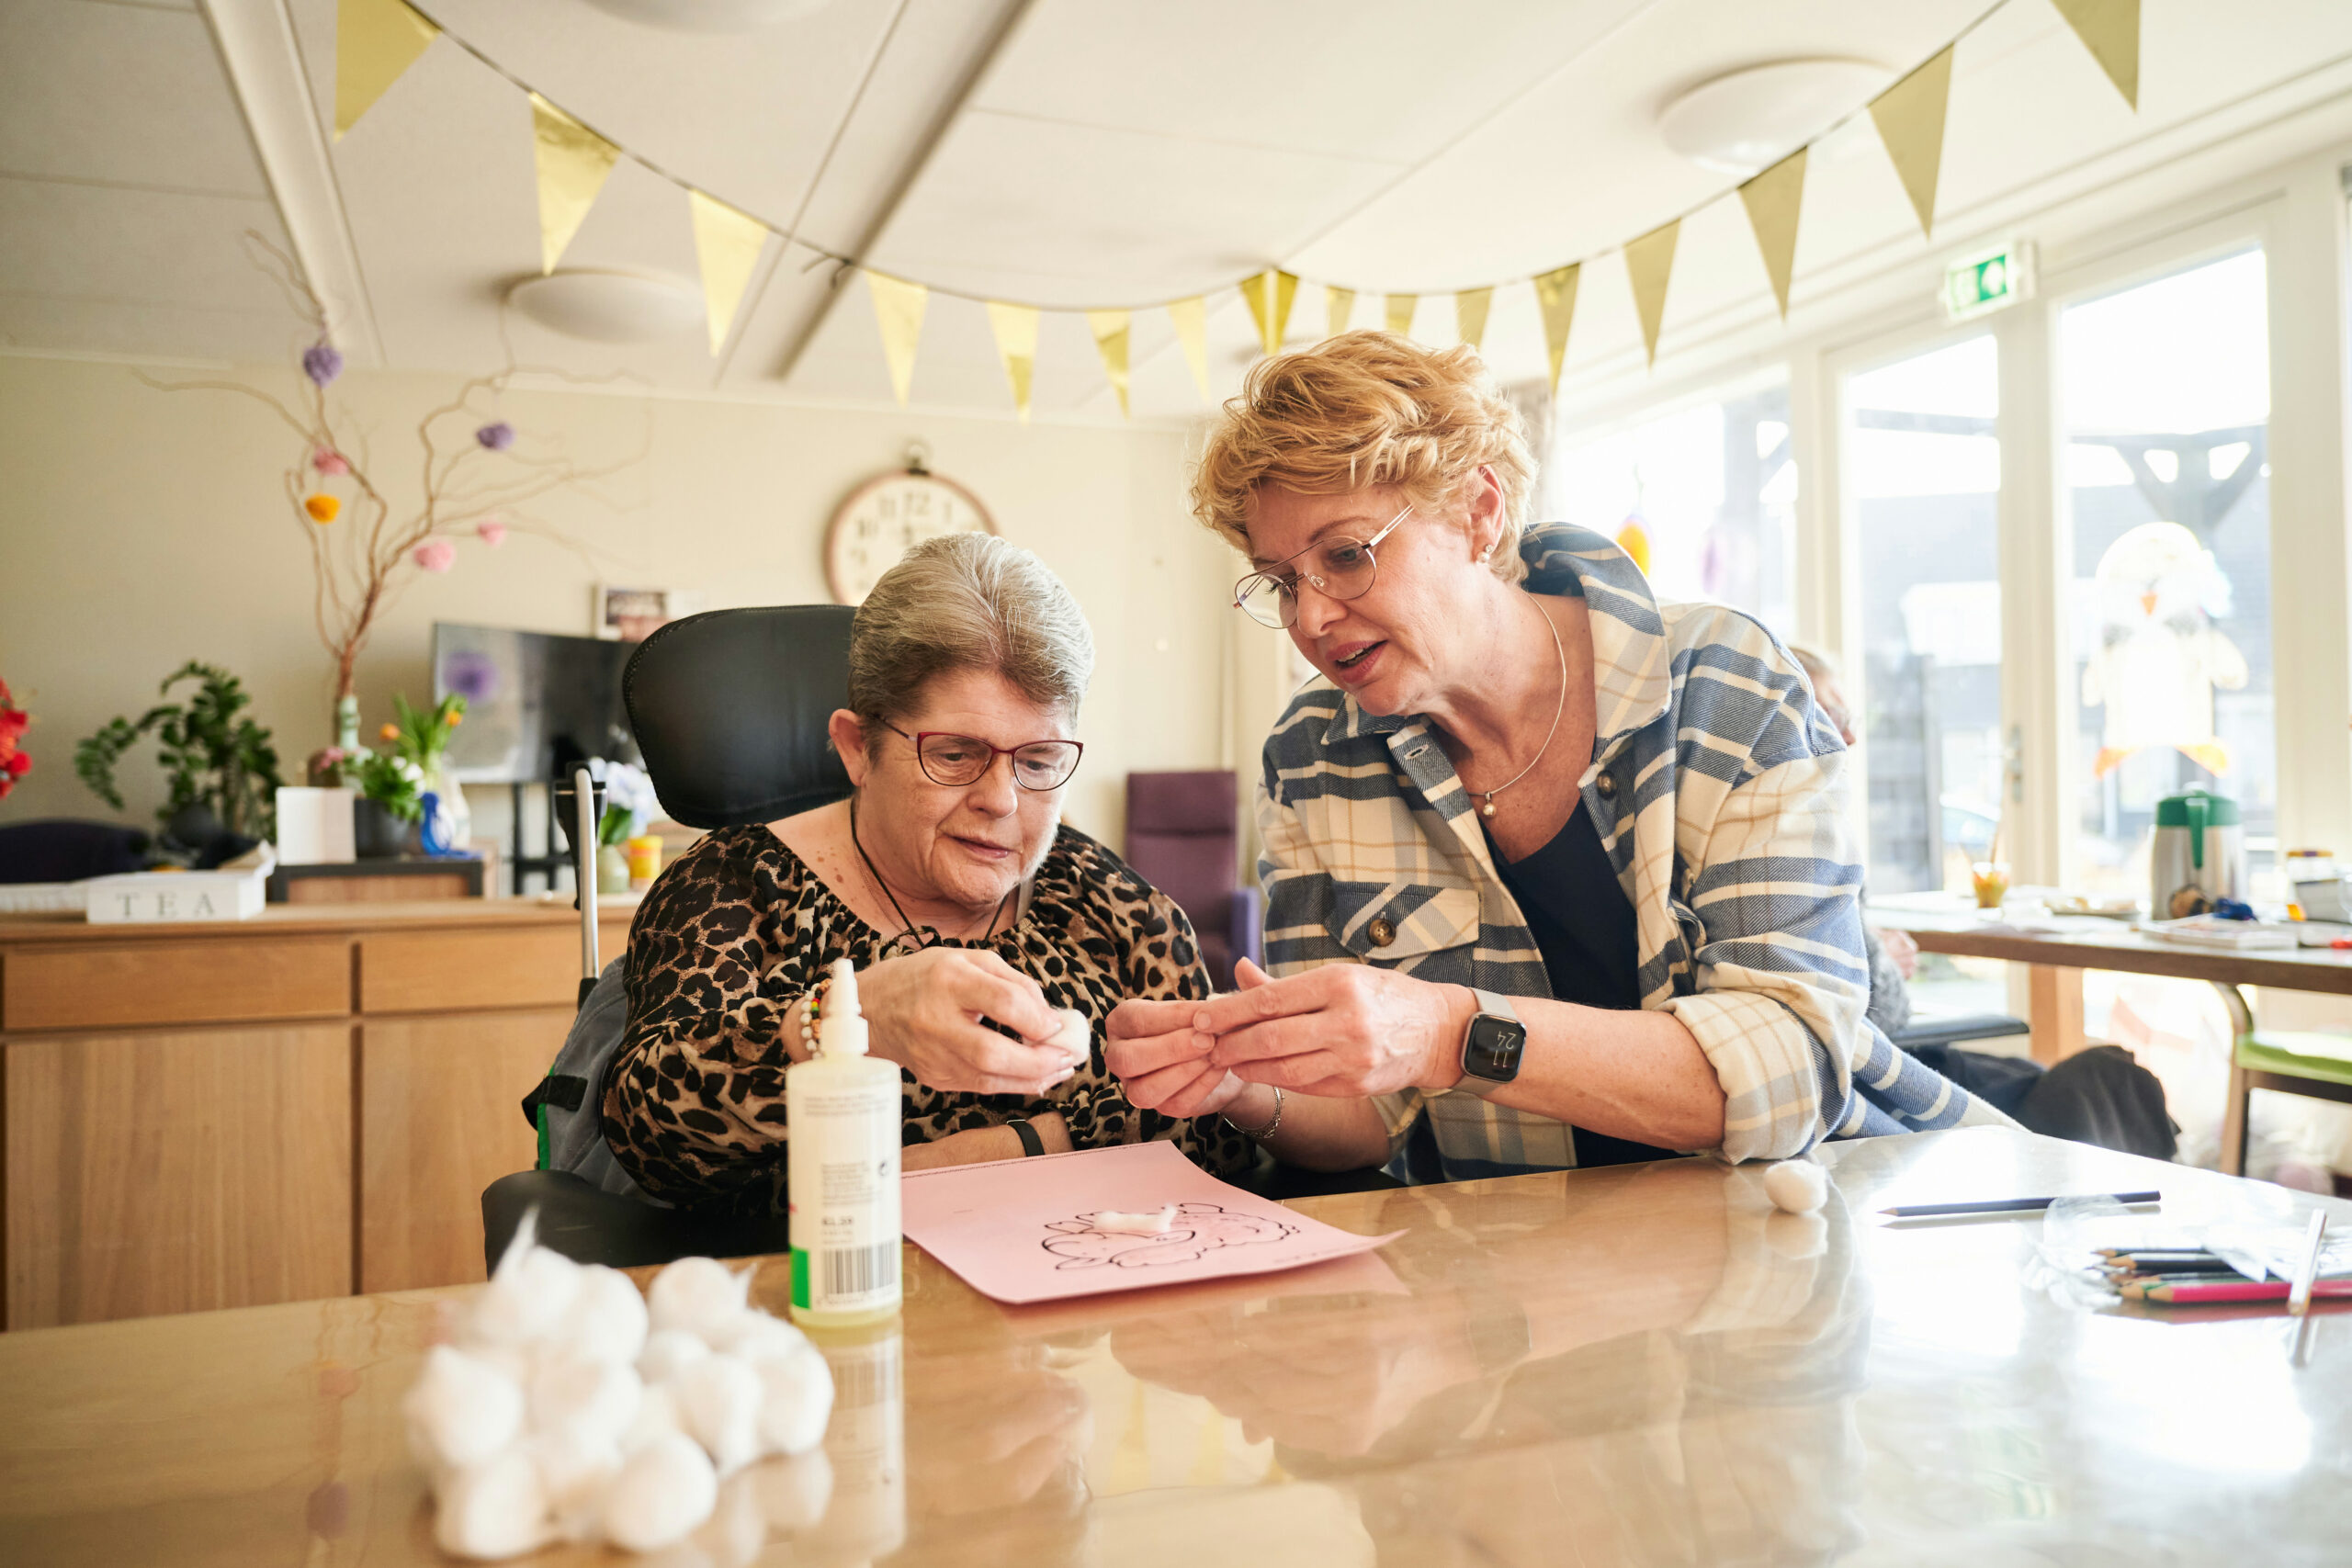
x: 1487, y: 809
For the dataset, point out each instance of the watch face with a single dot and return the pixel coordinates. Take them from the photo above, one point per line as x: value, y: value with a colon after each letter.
x: 887, y: 518
x: 1493, y: 1049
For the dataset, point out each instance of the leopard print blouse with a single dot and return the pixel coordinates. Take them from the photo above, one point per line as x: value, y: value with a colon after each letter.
x: 738, y: 929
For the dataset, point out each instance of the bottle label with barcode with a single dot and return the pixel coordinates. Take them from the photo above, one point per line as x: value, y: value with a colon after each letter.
x: 843, y: 1189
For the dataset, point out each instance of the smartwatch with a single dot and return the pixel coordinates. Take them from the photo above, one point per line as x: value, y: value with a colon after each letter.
x: 1492, y: 1045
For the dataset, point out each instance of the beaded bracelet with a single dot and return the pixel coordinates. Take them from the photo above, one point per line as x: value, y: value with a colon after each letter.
x: 812, y: 1009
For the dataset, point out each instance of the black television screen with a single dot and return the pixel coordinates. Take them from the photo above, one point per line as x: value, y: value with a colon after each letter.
x: 535, y: 703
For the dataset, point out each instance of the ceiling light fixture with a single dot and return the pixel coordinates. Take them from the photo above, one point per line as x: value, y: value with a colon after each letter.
x: 1740, y: 123
x: 711, y: 15
x: 610, y: 307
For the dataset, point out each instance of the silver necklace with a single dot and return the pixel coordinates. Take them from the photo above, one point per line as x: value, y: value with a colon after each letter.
x: 1562, y: 650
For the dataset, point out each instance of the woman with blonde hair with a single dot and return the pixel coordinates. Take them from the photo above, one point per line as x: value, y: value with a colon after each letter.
x: 1557, y: 870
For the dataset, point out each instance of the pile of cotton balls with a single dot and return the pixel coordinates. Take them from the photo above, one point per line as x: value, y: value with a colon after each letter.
x: 570, y: 1407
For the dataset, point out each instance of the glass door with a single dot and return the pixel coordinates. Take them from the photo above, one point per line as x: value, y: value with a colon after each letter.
x: 1923, y: 465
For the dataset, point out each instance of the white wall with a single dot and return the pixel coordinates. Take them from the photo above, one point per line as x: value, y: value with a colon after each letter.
x: 141, y: 528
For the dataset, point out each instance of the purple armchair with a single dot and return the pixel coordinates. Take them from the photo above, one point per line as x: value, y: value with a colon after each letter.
x: 1184, y: 837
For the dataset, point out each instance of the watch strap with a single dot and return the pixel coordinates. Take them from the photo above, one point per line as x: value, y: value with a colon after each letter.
x: 1031, y: 1144
x: 1491, y: 1004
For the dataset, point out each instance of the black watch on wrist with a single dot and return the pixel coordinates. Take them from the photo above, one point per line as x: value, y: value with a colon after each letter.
x: 1492, y: 1045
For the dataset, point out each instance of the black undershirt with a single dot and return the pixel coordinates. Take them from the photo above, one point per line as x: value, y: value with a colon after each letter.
x: 1583, y: 924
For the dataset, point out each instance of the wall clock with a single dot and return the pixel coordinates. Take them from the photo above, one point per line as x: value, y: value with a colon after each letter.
x: 888, y: 515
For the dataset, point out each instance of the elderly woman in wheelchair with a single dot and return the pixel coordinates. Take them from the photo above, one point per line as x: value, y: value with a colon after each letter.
x: 971, y: 913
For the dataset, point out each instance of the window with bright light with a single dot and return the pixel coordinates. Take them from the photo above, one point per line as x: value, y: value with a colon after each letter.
x: 2167, y: 414
x: 1709, y: 492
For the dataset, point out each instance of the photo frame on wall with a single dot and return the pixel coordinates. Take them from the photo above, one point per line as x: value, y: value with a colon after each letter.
x: 632, y: 615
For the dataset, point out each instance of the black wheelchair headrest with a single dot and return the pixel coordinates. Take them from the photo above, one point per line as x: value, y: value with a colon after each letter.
x: 730, y: 708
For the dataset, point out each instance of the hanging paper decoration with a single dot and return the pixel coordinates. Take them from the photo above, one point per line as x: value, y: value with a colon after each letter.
x: 1771, y: 200
x: 726, y: 244
x: 898, y: 311
x: 1192, y: 320
x: 1555, y: 296
x: 1910, y: 119
x: 323, y: 507
x: 1470, y: 314
x: 573, y: 162
x: 1110, y: 327
x: 1339, y: 304
x: 1401, y: 314
x: 2110, y: 30
x: 375, y: 41
x: 1649, y: 261
x: 1015, y: 327
x: 1270, y: 295
x: 2160, y: 656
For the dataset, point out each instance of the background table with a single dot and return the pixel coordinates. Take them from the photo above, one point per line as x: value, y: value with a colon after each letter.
x: 1636, y: 1365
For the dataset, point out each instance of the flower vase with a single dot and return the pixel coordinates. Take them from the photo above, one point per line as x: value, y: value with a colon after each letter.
x: 612, y: 868
x: 457, y: 817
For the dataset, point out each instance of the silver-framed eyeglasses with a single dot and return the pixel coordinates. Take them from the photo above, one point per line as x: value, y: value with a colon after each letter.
x: 958, y: 760
x: 1338, y: 568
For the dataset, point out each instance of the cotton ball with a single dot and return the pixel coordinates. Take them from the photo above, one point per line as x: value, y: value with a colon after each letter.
x: 660, y: 1492
x: 1074, y: 1038
x: 525, y: 1299
x: 1796, y: 1186
x: 498, y: 1508
x: 796, y: 1400
x: 720, y: 1406
x: 594, y: 1402
x: 755, y: 1335
x: 461, y: 1410
x: 668, y: 1352
x: 697, y: 1295
x: 656, y: 1417
x: 793, y: 1492
x: 575, y: 1472
x: 608, y: 1316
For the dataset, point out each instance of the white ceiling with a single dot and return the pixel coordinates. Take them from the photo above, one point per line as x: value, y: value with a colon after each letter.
x: 1064, y: 151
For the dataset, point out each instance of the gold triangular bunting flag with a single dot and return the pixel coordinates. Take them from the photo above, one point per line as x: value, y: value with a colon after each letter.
x: 1771, y: 200
x: 1910, y: 118
x: 1015, y: 327
x: 2110, y: 30
x: 1649, y: 261
x: 1192, y: 320
x: 1270, y: 294
x: 727, y: 244
x: 375, y: 41
x: 1470, y: 314
x: 1111, y: 343
x: 1339, y: 304
x: 573, y: 162
x: 1401, y: 314
x: 898, y: 311
x: 1555, y: 296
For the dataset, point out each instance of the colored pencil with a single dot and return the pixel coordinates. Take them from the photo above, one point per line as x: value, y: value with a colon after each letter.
x: 2186, y: 1294
x: 2012, y: 1205
x: 2306, y: 1271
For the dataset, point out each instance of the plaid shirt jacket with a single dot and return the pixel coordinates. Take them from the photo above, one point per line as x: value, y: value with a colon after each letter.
x: 1719, y: 790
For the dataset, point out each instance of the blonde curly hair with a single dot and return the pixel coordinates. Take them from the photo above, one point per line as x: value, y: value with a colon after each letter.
x: 1362, y: 408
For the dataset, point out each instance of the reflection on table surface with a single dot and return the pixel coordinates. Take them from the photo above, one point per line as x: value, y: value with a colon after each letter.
x: 1639, y: 1365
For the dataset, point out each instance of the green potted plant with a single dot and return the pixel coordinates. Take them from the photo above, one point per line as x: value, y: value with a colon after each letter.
x: 222, y: 767
x: 391, y: 802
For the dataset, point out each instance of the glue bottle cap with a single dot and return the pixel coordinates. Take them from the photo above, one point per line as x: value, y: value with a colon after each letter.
x: 842, y: 1030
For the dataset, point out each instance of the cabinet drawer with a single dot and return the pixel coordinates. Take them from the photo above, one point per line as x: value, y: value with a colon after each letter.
x: 461, y: 971
x: 221, y: 980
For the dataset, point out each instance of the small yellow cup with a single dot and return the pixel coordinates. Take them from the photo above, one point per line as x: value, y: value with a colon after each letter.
x: 1991, y: 880
x: 644, y: 861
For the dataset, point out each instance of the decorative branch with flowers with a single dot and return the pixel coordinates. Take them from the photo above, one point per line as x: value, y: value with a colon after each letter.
x: 15, y: 764
x: 365, y: 549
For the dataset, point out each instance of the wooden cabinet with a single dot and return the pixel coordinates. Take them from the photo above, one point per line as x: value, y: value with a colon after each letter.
x: 175, y: 1171
x: 300, y: 1105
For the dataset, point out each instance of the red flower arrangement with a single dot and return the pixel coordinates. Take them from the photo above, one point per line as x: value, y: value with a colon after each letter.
x: 14, y: 763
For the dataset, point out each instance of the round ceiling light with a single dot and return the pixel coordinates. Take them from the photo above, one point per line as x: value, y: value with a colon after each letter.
x: 711, y: 15
x: 610, y: 307
x: 1743, y: 122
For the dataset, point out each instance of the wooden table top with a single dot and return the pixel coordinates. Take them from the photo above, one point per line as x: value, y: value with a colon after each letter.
x: 2089, y: 942
x: 1638, y: 1365
x: 274, y: 920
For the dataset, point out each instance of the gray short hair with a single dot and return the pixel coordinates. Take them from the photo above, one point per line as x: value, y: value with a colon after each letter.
x: 967, y: 601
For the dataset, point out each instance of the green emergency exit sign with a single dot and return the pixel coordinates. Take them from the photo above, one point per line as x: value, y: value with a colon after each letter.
x: 1988, y: 280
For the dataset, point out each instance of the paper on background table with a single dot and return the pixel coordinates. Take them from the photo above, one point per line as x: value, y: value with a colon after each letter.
x: 1017, y: 1230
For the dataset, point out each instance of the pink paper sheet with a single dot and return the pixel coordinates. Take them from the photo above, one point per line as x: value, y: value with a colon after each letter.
x: 1020, y: 1230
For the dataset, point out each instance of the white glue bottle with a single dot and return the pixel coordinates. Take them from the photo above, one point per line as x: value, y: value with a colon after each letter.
x: 842, y: 1110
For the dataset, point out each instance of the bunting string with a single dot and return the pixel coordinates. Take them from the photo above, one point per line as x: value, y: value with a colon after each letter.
x: 378, y: 41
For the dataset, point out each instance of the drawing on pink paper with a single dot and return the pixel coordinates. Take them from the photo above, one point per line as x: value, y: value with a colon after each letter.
x: 1057, y: 1227
x: 1199, y: 1229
